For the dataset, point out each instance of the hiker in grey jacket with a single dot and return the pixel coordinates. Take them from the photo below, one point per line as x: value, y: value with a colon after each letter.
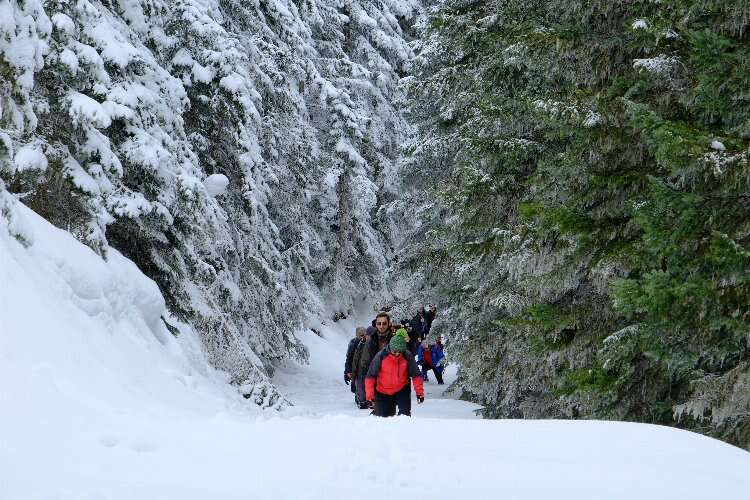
x: 360, y: 365
x: 348, y: 378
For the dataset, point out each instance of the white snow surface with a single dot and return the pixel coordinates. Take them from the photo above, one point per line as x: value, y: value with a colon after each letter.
x: 100, y: 401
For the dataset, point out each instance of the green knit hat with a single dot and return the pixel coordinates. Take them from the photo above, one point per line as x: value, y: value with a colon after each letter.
x: 398, y: 343
x: 402, y: 333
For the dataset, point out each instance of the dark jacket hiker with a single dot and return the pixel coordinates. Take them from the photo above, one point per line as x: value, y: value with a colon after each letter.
x: 419, y: 323
x: 388, y: 380
x: 351, y: 348
x: 377, y: 343
x: 429, y: 318
x: 360, y: 365
x: 413, y: 341
x: 349, y: 356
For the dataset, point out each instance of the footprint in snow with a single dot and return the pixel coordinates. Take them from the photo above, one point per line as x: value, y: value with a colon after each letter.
x: 143, y: 445
x: 109, y: 440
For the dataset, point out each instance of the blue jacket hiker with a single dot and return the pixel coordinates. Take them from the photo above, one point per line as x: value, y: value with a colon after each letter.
x: 438, y: 359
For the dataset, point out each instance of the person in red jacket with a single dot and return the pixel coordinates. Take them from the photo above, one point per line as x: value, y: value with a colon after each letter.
x: 387, y: 383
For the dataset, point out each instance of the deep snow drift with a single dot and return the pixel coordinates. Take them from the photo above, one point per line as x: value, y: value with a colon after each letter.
x: 100, y: 401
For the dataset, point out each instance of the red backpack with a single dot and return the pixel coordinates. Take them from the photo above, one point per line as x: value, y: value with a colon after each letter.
x: 427, y: 355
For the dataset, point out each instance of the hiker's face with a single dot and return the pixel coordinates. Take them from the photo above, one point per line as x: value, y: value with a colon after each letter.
x: 382, y: 325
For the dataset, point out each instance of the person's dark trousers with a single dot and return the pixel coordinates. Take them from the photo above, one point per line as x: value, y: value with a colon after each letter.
x: 438, y: 374
x: 360, y: 397
x: 425, y: 369
x: 385, y: 405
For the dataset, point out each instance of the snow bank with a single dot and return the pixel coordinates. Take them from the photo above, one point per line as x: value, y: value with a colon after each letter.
x: 71, y: 319
x: 83, y: 347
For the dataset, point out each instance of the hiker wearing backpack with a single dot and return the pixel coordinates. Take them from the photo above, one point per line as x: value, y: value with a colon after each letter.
x: 360, y: 365
x: 424, y: 358
x: 438, y: 359
x: 412, y: 342
x: 388, y: 381
x: 429, y: 318
x: 360, y: 332
x: 419, y: 323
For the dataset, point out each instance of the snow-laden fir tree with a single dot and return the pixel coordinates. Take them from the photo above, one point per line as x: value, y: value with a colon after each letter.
x: 113, y: 114
x: 590, y: 166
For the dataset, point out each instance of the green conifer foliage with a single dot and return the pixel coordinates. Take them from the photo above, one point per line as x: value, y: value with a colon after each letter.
x: 593, y: 236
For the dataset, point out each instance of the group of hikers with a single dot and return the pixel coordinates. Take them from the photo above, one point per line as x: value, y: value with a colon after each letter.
x: 380, y: 364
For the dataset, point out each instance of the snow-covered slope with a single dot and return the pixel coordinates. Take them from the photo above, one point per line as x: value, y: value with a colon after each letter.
x: 100, y: 401
x: 84, y: 337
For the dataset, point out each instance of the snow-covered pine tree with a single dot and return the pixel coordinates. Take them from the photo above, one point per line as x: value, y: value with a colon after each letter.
x: 592, y: 253
x: 113, y: 114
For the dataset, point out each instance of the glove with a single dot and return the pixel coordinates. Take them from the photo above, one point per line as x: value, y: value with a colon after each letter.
x: 370, y: 403
x: 420, y: 399
x: 346, y: 378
